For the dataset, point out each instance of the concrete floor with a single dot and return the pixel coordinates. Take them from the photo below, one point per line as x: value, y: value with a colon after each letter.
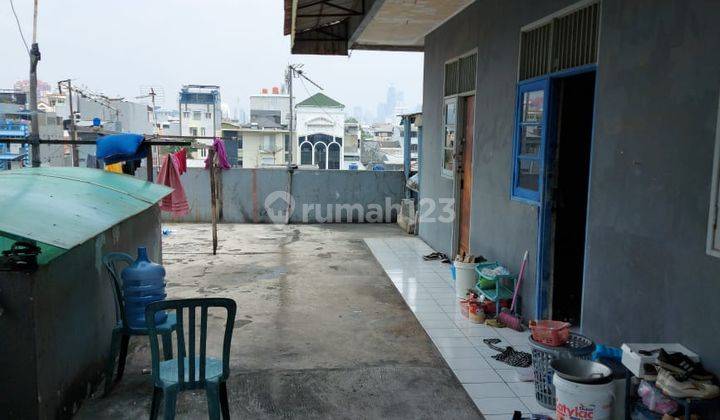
x: 321, y: 332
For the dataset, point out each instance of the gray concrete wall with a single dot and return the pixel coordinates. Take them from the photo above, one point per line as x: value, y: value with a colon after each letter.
x: 500, y: 229
x: 647, y: 276
x: 244, y: 194
x: 67, y: 314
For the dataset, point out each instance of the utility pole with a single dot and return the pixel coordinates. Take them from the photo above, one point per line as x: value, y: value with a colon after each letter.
x: 289, y: 80
x: 73, y: 128
x: 35, y: 124
x: 156, y: 128
x: 292, y: 70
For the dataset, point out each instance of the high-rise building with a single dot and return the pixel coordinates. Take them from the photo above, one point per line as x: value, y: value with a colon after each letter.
x: 200, y: 112
x: 270, y: 108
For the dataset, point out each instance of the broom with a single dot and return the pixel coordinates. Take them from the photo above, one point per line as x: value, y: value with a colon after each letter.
x: 510, y: 318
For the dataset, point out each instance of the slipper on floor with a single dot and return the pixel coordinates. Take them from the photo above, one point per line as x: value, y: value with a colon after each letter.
x: 432, y: 257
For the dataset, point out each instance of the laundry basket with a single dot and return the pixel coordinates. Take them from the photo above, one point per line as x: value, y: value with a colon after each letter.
x: 577, y: 346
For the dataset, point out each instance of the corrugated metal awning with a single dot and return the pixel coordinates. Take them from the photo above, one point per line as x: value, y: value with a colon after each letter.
x: 322, y: 26
x: 332, y: 27
x: 64, y: 207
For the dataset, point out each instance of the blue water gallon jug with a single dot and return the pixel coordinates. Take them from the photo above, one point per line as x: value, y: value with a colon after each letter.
x: 143, y: 283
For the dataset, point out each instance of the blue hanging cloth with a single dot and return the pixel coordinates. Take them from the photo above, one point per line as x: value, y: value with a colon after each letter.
x: 120, y: 148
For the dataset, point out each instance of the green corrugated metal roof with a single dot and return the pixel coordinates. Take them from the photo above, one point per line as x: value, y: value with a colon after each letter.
x: 320, y: 100
x: 64, y: 207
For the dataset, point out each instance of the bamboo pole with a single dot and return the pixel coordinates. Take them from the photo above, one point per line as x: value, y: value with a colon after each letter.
x: 213, y: 198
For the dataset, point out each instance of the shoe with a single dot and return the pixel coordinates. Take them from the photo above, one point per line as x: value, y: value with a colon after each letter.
x: 649, y: 372
x: 672, y: 387
x: 683, y: 367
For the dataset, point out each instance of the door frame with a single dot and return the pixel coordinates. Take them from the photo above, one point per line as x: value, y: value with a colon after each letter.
x: 455, y: 230
x: 543, y: 282
x: 457, y: 175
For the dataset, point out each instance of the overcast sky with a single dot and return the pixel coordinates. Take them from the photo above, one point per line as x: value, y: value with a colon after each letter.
x: 118, y: 46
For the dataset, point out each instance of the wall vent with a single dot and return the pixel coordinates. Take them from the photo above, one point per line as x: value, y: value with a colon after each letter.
x: 451, y: 78
x: 535, y: 52
x: 460, y: 75
x: 467, y: 73
x: 566, y: 41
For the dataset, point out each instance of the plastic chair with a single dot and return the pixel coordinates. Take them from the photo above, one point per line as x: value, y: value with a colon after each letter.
x: 189, y: 370
x: 121, y: 332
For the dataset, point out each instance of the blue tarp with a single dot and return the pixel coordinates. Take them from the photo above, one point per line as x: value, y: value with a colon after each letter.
x: 120, y: 148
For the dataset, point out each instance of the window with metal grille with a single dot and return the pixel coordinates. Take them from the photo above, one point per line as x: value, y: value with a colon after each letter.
x: 460, y: 75
x: 451, y: 78
x: 534, y: 52
x: 566, y: 41
x: 467, y: 73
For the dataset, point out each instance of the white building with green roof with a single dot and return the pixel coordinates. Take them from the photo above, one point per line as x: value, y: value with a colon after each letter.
x: 320, y: 131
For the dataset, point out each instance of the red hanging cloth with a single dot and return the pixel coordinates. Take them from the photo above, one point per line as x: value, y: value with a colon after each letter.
x: 175, y: 203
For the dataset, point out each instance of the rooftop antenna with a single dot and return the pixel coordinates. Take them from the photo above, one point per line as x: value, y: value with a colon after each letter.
x: 152, y: 92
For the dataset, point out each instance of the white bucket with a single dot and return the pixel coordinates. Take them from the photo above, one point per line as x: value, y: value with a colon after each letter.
x: 465, y: 277
x: 575, y: 401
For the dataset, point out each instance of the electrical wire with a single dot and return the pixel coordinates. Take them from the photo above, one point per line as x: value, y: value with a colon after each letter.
x: 321, y: 107
x: 17, y: 20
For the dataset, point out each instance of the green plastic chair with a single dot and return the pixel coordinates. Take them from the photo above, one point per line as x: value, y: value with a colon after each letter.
x: 121, y: 332
x: 191, y: 370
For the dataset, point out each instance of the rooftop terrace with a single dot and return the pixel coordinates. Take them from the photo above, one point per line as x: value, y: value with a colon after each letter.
x: 320, y: 332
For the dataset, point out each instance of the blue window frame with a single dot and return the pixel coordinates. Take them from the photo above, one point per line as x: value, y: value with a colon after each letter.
x: 529, y: 141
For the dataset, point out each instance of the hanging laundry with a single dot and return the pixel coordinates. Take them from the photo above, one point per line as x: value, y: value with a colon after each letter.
x: 115, y: 148
x: 131, y: 166
x: 114, y: 167
x: 175, y: 203
x: 181, y: 156
x: 219, y: 147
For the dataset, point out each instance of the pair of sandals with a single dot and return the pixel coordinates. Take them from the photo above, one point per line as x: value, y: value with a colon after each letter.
x: 437, y: 256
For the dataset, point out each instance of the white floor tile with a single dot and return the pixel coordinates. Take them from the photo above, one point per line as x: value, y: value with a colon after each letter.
x: 429, y: 291
x: 451, y: 308
x: 505, y: 405
x: 472, y: 363
x: 418, y: 297
x: 425, y: 307
x: 523, y: 389
x: 484, y: 349
x: 452, y: 342
x: 444, y: 332
x: 432, y: 316
x: 535, y: 408
x: 513, y: 337
x: 437, y: 323
x: 477, y: 330
x: 459, y: 352
x: 479, y: 341
x: 511, y: 375
x: 488, y: 390
x: 441, y: 292
x: 477, y: 376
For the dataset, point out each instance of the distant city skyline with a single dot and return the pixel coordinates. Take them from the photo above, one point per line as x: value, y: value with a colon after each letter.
x: 236, y: 44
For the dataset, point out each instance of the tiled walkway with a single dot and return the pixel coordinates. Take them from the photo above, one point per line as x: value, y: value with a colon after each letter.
x: 429, y: 292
